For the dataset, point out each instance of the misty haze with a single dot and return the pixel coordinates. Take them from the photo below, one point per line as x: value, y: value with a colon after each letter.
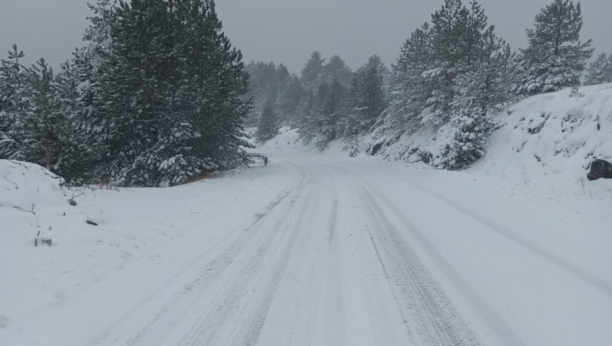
x: 324, y: 172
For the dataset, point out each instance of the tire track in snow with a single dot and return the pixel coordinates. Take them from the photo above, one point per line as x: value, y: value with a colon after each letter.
x: 487, y: 313
x: 308, y: 296
x: 169, y: 315
x: 257, y: 321
x: 501, y: 230
x: 310, y: 299
x: 235, y: 296
x: 430, y: 317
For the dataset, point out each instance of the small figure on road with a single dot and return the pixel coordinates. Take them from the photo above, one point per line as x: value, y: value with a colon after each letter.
x: 265, y: 160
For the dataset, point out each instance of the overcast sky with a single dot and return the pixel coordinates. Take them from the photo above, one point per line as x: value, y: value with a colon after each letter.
x: 288, y: 31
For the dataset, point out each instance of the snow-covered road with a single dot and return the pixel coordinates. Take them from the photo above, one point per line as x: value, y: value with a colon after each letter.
x: 357, y: 252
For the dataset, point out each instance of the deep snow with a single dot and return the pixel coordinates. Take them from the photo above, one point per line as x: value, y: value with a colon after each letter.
x: 322, y: 249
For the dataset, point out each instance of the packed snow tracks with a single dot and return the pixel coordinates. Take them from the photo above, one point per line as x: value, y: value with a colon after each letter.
x: 324, y: 264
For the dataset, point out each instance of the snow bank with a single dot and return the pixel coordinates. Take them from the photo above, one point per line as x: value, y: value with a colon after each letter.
x: 143, y: 237
x: 546, y: 141
x: 30, y: 200
x: 549, y: 141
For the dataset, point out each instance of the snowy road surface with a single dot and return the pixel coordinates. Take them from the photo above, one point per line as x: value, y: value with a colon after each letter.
x: 361, y: 253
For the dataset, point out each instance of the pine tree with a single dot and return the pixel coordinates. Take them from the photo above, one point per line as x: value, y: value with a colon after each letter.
x: 45, y: 129
x: 312, y: 73
x: 332, y: 112
x: 600, y: 70
x: 269, y: 122
x: 268, y: 81
x: 290, y: 99
x: 336, y: 69
x: 411, y: 91
x: 367, y: 100
x: 450, y: 26
x: 15, y: 105
x: 308, y: 116
x: 555, y: 57
x: 72, y: 162
x: 162, y: 101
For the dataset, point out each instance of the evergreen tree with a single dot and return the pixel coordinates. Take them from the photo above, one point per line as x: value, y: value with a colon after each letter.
x: 450, y: 26
x: 308, y: 116
x: 332, y: 112
x: 45, y: 127
x: 290, y: 99
x: 411, y: 91
x: 269, y: 122
x: 15, y: 105
x: 71, y: 164
x: 600, y: 70
x: 367, y: 100
x: 163, y: 102
x: 336, y: 69
x: 555, y: 57
x: 268, y: 81
x: 312, y: 74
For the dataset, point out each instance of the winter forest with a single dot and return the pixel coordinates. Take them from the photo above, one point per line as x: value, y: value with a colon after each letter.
x: 158, y: 96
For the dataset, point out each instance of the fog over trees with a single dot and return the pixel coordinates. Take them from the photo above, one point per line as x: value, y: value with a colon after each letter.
x: 158, y: 96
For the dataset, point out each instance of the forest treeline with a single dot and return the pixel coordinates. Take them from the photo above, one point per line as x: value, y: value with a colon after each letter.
x: 453, y: 74
x: 158, y: 96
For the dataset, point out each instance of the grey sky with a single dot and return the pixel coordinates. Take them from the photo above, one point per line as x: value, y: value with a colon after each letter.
x: 288, y: 31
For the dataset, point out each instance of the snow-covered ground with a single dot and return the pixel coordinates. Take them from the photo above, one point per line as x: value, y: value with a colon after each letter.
x: 68, y: 293
x: 322, y: 249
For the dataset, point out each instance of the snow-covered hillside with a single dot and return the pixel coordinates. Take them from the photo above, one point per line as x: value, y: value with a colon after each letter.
x: 550, y: 141
x: 545, y: 142
x: 555, y: 129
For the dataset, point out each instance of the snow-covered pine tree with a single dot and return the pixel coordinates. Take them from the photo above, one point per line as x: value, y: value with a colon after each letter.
x: 217, y: 84
x: 477, y: 95
x: 600, y: 70
x: 45, y: 133
x: 312, y: 73
x: 367, y: 100
x: 71, y: 164
x: 318, y: 117
x: 336, y: 69
x: 263, y: 86
x: 410, y: 90
x: 307, y: 116
x: 290, y: 99
x: 162, y: 103
x: 15, y: 105
x: 89, y: 129
x: 332, y: 112
x: 555, y: 57
x: 382, y: 71
x: 269, y: 122
x: 268, y: 81
x: 468, y: 128
x: 450, y: 53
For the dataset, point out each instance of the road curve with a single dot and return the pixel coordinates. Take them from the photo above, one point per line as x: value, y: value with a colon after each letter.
x: 339, y: 259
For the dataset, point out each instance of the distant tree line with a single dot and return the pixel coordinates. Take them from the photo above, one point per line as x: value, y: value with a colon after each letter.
x: 453, y: 74
x: 328, y: 101
x: 158, y: 96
